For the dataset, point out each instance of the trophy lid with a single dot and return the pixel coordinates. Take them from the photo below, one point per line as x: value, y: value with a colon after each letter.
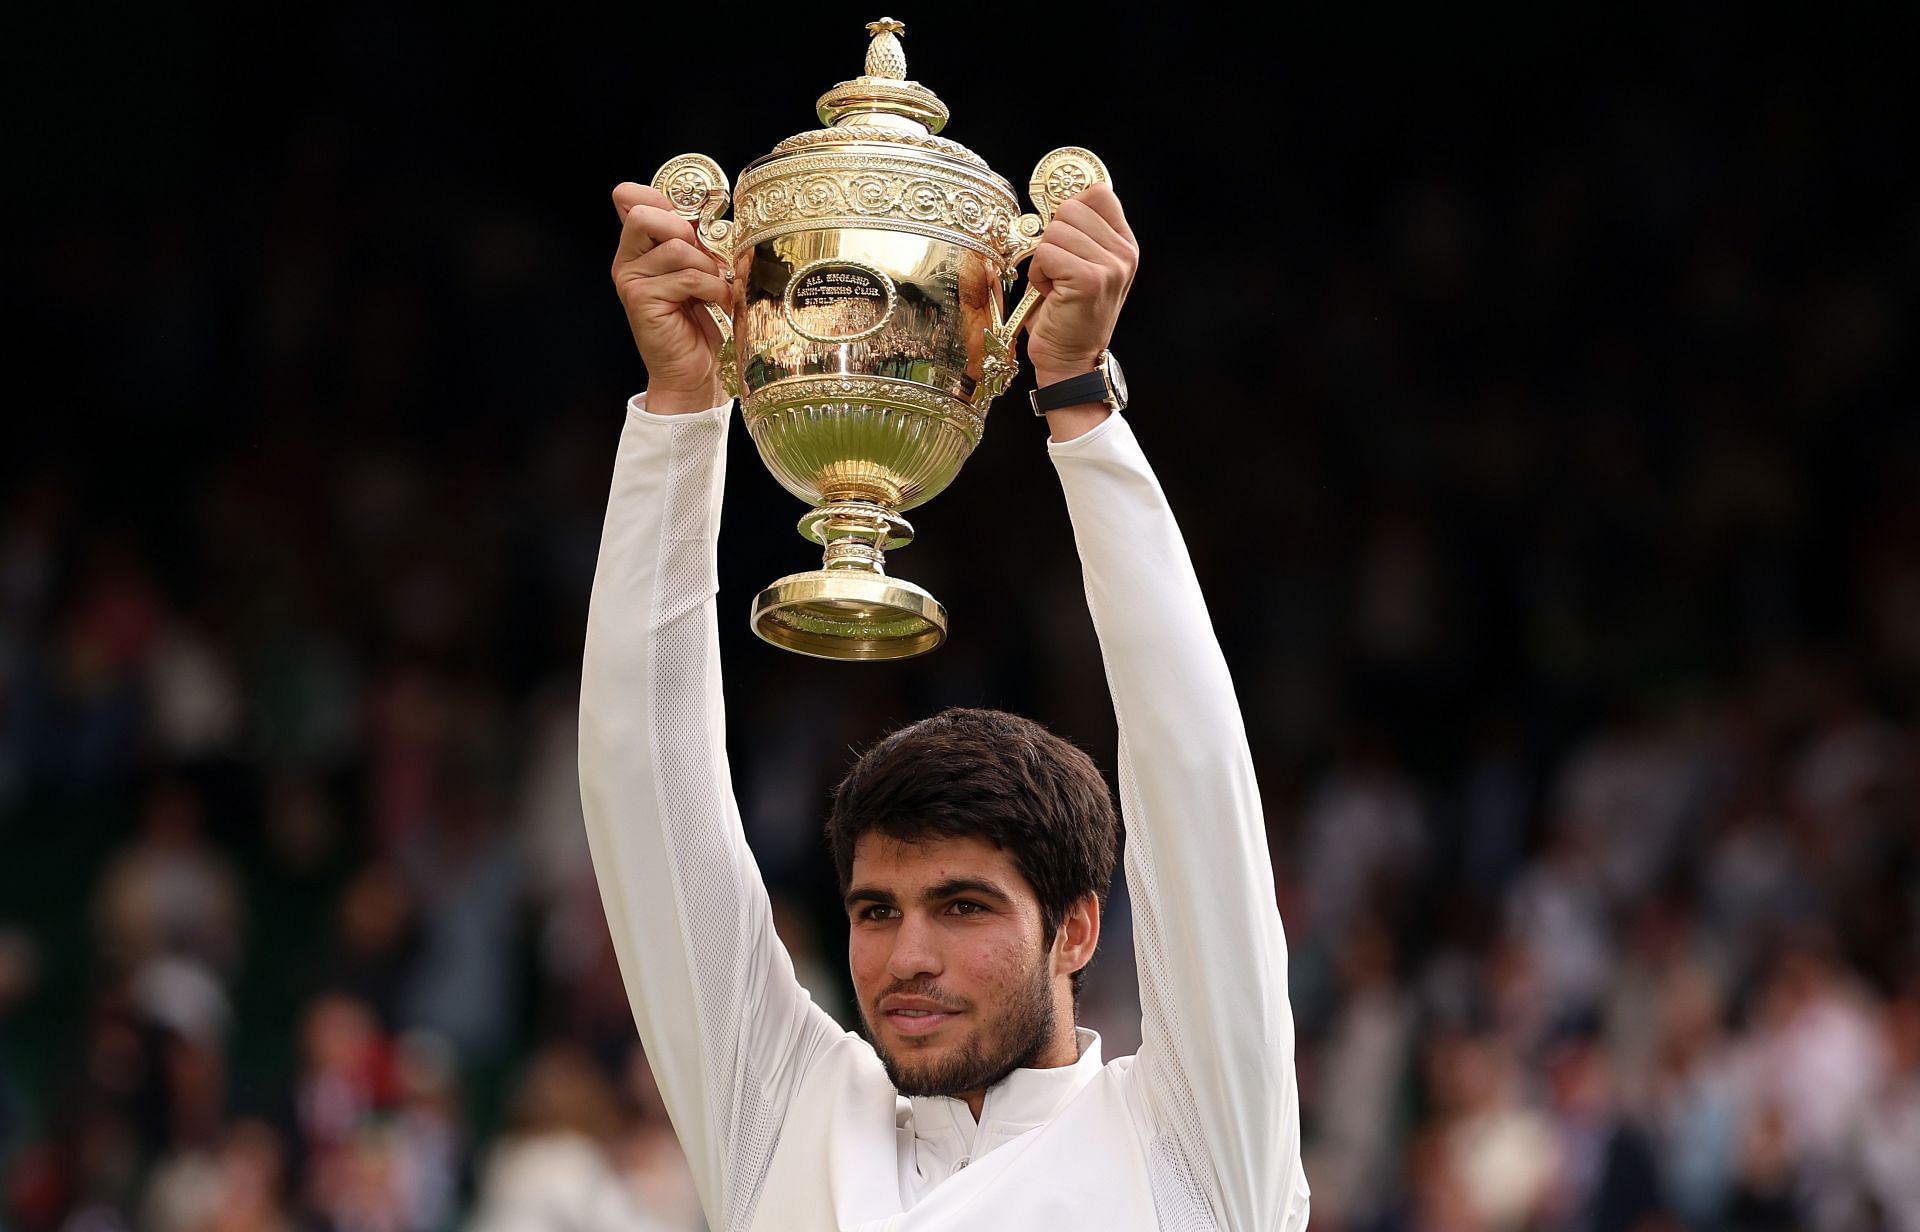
x: 881, y: 105
x: 879, y: 163
x: 883, y: 93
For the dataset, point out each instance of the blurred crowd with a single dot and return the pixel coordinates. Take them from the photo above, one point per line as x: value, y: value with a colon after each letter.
x: 1692, y: 1002
x: 1554, y: 476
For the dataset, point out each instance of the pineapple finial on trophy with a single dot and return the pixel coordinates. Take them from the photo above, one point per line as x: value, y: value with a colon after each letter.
x: 885, y: 57
x: 882, y: 94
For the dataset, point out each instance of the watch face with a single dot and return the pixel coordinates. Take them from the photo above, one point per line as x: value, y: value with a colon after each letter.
x: 1116, y: 379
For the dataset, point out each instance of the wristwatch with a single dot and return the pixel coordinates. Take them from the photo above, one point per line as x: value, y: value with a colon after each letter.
x: 1106, y: 383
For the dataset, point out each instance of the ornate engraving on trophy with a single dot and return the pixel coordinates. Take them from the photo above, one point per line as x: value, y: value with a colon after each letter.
x: 837, y: 300
x: 687, y: 180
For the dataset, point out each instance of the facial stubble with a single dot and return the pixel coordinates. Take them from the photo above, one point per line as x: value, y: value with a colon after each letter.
x: 1014, y: 1040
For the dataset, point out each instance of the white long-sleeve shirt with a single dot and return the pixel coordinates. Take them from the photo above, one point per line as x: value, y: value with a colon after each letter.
x: 790, y: 1122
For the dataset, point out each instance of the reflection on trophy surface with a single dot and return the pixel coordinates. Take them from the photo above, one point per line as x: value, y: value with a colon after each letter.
x: 867, y: 334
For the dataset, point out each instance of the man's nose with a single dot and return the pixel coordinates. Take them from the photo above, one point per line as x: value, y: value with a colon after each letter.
x: 916, y: 949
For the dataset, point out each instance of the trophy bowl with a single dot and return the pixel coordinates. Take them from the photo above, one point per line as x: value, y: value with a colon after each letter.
x: 867, y: 335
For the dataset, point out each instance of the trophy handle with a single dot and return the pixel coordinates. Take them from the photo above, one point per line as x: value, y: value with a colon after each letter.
x: 1063, y: 174
x: 699, y: 192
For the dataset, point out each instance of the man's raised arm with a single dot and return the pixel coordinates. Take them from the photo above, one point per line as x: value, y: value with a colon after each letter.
x: 1216, y: 1052
x: 1216, y: 1059
x: 727, y: 1028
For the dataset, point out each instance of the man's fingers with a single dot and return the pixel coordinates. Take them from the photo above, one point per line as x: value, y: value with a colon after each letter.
x: 629, y: 194
x: 1100, y: 198
x: 1052, y: 263
x: 1098, y: 270
x: 1077, y: 242
x: 696, y: 285
x: 647, y: 226
x: 704, y: 319
x: 678, y: 287
x: 1083, y: 218
x: 675, y: 255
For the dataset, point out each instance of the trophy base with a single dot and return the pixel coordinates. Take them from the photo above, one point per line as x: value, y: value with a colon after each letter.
x: 849, y: 615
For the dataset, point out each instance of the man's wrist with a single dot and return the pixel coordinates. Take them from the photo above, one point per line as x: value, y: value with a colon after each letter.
x: 1064, y: 423
x: 1043, y: 377
x: 667, y: 401
x: 1053, y: 373
x: 1070, y: 421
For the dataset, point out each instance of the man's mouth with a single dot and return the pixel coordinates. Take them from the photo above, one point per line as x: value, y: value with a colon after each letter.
x: 918, y: 1022
x: 911, y: 1015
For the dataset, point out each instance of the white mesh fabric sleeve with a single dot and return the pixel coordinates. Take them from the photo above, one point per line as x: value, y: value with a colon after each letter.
x: 1216, y: 1053
x: 727, y: 1027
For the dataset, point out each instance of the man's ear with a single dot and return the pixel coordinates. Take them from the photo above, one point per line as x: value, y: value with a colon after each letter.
x: 1079, y: 935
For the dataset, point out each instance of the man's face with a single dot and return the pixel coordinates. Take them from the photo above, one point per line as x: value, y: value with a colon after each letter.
x: 954, y: 982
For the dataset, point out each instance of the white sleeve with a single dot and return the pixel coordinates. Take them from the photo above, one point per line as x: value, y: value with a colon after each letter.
x: 727, y: 1027
x: 1216, y: 1057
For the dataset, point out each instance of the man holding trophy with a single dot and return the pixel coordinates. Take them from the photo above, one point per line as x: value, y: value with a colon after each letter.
x: 975, y: 849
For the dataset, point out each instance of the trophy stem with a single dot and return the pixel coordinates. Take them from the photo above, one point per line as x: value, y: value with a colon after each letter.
x: 850, y: 608
x: 854, y: 555
x: 856, y: 534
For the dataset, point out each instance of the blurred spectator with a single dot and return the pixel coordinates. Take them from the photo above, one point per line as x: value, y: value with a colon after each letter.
x: 1819, y: 1058
x: 170, y: 892
x: 1701, y: 1097
x: 347, y: 1073
x: 1756, y: 885
x: 381, y: 1123
x: 654, y: 1165
x: 1365, y: 835
x: 1888, y: 1138
x: 18, y: 961
x: 795, y: 931
x: 558, y: 1167
x: 1362, y: 1087
x: 547, y: 812
x: 193, y: 695
x: 1628, y: 794
x: 94, y: 703
x: 1488, y: 1158
x: 376, y: 939
x: 240, y: 1187
x: 1558, y: 925
x: 1766, y: 1194
x: 1607, y: 1180
x: 429, y: 1135
x: 467, y: 875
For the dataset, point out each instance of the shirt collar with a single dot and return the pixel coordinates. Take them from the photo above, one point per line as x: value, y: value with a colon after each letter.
x: 1020, y: 1101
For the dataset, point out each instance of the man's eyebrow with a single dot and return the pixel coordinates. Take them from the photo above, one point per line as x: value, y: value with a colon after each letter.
x: 954, y: 887
x: 868, y: 894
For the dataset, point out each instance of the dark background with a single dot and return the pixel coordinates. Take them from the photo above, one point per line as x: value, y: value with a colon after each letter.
x: 1535, y: 392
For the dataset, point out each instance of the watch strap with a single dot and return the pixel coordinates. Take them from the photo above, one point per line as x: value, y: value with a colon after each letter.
x: 1074, y: 391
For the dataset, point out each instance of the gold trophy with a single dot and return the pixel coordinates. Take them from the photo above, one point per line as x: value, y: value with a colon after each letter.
x: 866, y: 336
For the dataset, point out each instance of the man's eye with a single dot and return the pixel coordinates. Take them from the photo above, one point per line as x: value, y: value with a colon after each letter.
x: 964, y: 907
x: 875, y: 911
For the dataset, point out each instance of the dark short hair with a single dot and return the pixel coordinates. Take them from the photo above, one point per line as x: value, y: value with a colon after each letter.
x: 991, y: 775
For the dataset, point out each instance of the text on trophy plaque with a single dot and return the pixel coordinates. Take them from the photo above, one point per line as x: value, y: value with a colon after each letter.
x: 838, y: 300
